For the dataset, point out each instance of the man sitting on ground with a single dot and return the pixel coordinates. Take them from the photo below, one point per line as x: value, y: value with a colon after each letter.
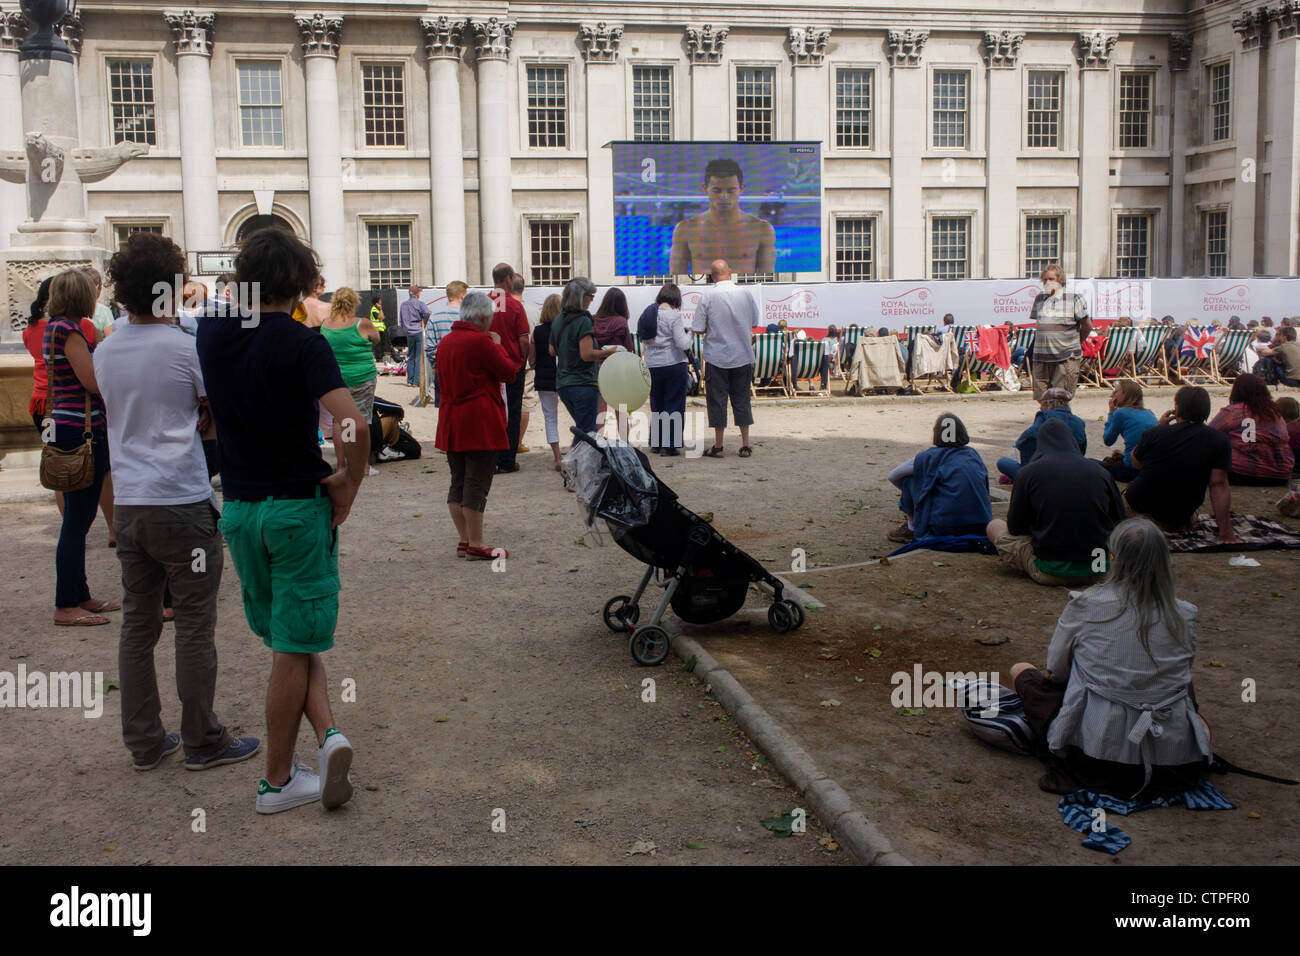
x: 1063, y: 508
x: 1055, y: 404
x: 1287, y: 356
x: 1177, y: 460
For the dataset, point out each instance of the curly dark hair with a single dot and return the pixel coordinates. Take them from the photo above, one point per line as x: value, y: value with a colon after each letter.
x: 145, y: 260
x: 1250, y: 390
x: 282, y: 264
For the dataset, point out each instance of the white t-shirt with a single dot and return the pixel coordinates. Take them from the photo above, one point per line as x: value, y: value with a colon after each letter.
x: 727, y: 315
x: 150, y: 381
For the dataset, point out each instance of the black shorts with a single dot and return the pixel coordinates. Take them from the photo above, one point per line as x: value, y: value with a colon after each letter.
x: 723, y: 383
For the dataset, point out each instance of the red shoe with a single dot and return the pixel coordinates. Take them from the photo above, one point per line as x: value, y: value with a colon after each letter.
x: 461, y: 548
x: 485, y: 554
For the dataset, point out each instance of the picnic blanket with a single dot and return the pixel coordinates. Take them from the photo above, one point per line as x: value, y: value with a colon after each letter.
x: 948, y: 542
x: 1256, y: 534
x: 1080, y: 812
x: 876, y: 364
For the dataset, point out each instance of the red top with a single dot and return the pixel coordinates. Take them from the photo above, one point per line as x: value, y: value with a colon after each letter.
x: 471, y: 371
x: 509, y: 321
x: 33, y: 339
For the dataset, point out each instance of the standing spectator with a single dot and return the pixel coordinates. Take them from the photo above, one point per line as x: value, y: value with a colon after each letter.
x: 384, y: 347
x: 155, y: 401
x: 666, y: 357
x: 284, y: 505
x: 544, y: 374
x: 351, y: 340
x: 610, y: 327
x: 576, y: 356
x: 831, y: 346
x: 473, y: 365
x: 528, y: 404
x: 413, y: 314
x: 1062, y: 324
x: 1063, y: 507
x: 439, y: 325
x: 1261, y: 445
x: 727, y: 316
x: 1054, y: 404
x: 1128, y: 418
x: 102, y: 317
x: 77, y: 412
x: 315, y: 309
x: 510, y: 323
x: 1177, y: 461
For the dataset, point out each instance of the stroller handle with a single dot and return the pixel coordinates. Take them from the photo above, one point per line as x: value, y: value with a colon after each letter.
x: 583, y: 436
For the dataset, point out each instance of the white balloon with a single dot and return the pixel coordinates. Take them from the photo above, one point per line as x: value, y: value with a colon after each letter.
x: 624, y: 381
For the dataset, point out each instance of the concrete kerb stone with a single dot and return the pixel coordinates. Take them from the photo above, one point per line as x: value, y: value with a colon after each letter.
x: 827, y: 799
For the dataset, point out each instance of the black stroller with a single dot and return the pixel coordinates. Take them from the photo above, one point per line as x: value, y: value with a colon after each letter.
x: 704, y: 576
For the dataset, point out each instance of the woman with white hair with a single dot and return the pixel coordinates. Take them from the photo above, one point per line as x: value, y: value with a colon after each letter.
x: 1116, y: 707
x: 472, y: 367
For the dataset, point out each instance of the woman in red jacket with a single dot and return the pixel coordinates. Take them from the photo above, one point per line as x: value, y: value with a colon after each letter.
x: 472, y: 367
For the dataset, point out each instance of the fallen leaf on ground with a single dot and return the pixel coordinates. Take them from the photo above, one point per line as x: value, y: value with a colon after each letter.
x: 642, y: 846
x: 830, y: 703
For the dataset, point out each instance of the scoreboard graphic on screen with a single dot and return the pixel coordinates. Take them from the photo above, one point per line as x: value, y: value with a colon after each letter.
x: 680, y: 205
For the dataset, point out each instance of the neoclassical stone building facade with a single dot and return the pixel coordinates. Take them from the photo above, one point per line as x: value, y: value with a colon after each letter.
x: 418, y: 141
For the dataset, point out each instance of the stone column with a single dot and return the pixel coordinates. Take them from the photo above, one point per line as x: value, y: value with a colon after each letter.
x: 1094, y: 152
x: 192, y: 34
x: 1282, y: 242
x: 443, y: 43
x: 1002, y: 215
x: 907, y: 142
x: 1252, y: 28
x: 710, y: 100
x: 811, y: 82
x: 497, y: 239
x: 320, y: 49
x: 13, y: 196
x: 1180, y: 52
x: 606, y: 94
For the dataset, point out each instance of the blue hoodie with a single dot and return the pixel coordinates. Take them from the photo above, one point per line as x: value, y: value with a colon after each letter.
x: 947, y: 493
x: 1028, y: 440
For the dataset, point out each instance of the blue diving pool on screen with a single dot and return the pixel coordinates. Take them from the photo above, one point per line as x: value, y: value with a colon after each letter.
x: 641, y: 247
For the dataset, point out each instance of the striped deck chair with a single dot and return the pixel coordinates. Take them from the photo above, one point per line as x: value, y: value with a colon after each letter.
x: 806, y: 363
x: 984, y: 374
x: 912, y: 333
x: 1116, y: 353
x: 1024, y: 339
x: 1196, y: 355
x: 697, y: 353
x: 771, y: 354
x: 637, y: 347
x: 848, y: 349
x: 1150, y: 366
x: 1229, y: 350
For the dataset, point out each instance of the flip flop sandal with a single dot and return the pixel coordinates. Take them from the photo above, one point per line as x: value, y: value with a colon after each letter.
x: 485, y: 554
x: 103, y: 606
x: 714, y: 452
x: 85, y: 620
x: 746, y: 452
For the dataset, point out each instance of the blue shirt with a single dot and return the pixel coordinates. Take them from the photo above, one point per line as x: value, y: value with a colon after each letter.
x: 1129, y: 422
x: 412, y: 314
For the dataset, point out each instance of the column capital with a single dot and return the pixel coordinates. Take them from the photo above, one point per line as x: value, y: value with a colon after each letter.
x: 1094, y: 49
x: 1287, y: 15
x: 704, y: 44
x: 905, y: 46
x: 319, y: 34
x: 1001, y: 49
x: 807, y: 45
x: 1180, y: 50
x: 192, y: 30
x: 71, y: 30
x: 1251, y: 28
x: 13, y: 29
x: 444, y: 38
x: 600, y: 43
x: 492, y: 38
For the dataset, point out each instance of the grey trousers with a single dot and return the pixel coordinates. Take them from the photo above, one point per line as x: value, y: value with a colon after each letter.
x: 177, y: 546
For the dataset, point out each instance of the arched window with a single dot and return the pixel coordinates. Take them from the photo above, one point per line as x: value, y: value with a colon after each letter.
x: 257, y: 223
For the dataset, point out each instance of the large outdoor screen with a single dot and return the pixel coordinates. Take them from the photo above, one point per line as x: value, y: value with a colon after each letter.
x: 679, y: 206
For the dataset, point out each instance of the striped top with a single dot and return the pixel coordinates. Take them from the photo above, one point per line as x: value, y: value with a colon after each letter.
x: 69, y: 397
x: 1057, y: 335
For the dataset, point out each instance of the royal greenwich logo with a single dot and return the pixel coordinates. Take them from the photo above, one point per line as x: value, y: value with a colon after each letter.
x: 1235, y: 298
x: 76, y: 909
x: 917, y: 302
x: 799, y: 307
x: 1017, y: 302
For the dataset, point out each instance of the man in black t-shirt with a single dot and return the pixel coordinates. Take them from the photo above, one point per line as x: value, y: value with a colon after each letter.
x: 1177, y: 460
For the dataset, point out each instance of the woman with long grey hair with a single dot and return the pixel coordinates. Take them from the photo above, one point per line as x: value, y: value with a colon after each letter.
x: 577, y: 359
x: 1116, y: 708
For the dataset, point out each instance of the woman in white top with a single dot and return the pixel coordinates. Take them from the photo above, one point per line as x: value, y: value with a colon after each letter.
x: 1116, y: 706
x: 665, y: 354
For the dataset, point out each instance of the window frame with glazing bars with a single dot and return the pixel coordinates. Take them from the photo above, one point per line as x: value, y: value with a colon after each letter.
x: 864, y: 266
x: 947, y: 112
x: 1220, y: 109
x: 661, y: 109
x: 375, y: 115
x: 145, y: 110
x: 551, y: 273
x: 542, y: 107
x: 966, y: 240
x: 1033, y: 271
x: 266, y: 109
x: 752, y: 116
x: 1122, y: 252
x: 1126, y: 116
x: 854, y: 119
x: 1044, y: 121
x: 405, y: 274
x: 1211, y: 256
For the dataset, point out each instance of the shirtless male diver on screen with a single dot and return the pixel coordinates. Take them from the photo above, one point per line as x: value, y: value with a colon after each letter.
x: 724, y: 232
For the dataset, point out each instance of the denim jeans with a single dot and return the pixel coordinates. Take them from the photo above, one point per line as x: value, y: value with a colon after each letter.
x: 1009, y: 467
x: 79, y: 508
x: 581, y: 402
x: 414, y: 351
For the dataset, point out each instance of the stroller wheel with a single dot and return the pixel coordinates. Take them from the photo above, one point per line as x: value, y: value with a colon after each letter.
x: 797, y: 608
x: 649, y: 645
x: 781, y: 618
x: 619, y: 609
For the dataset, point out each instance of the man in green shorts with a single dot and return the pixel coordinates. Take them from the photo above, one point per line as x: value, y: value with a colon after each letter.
x: 283, y: 503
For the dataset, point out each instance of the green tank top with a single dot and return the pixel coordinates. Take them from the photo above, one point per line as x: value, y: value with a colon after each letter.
x: 353, y: 352
x: 376, y: 320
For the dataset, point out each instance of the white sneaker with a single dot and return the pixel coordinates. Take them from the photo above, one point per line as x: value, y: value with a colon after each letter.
x: 373, y: 471
x: 334, y: 758
x: 303, y: 788
x: 387, y: 454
